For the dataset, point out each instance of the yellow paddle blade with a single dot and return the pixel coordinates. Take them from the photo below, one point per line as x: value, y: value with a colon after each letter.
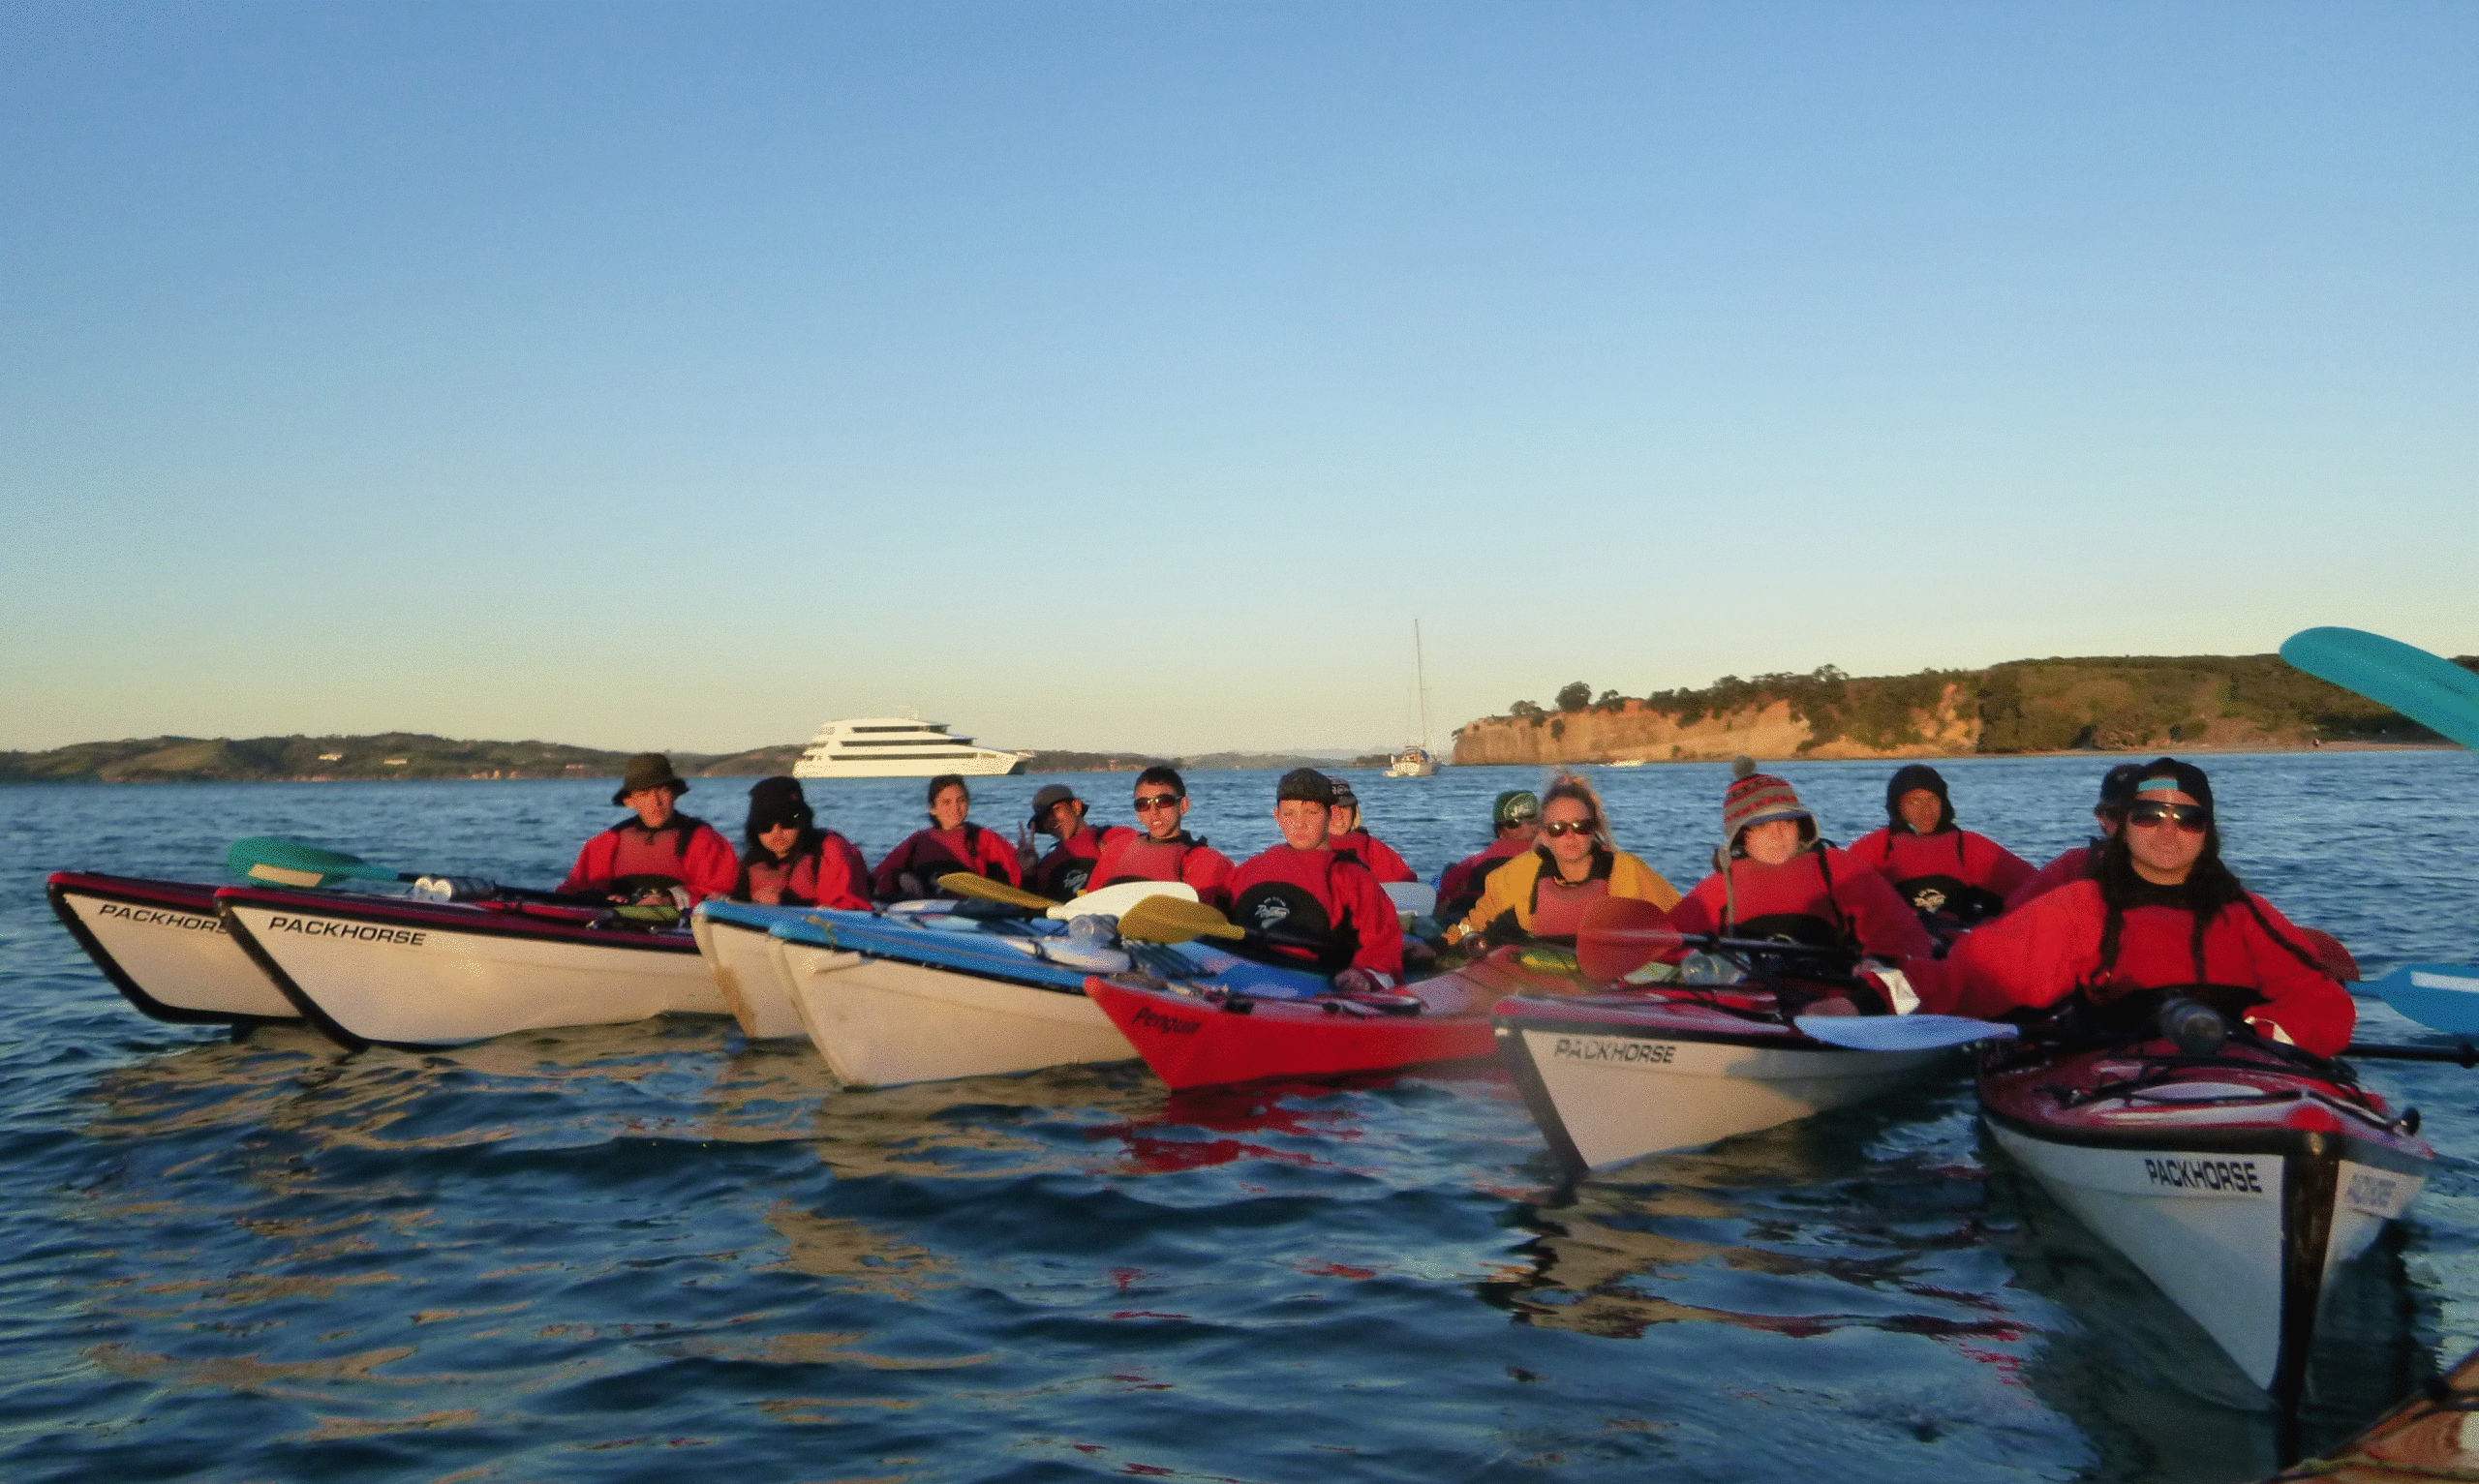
x: 966, y: 883
x: 1169, y: 919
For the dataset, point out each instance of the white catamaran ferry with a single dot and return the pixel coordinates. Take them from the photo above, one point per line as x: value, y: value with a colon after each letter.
x: 897, y: 747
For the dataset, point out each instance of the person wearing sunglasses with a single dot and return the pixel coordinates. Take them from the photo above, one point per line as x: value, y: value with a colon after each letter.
x: 2116, y: 792
x: 1540, y: 897
x: 1952, y: 877
x: 1343, y: 829
x: 1065, y: 871
x: 1775, y: 877
x: 789, y: 861
x: 1516, y: 818
x: 1165, y: 850
x: 2161, y: 913
x: 1312, y: 905
x: 952, y: 843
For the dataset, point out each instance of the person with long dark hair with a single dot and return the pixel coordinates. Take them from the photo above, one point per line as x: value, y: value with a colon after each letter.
x: 2161, y: 912
x: 786, y: 860
x: 951, y: 844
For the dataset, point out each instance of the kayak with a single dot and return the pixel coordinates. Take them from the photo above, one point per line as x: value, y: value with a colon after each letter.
x: 2427, y: 1439
x: 1231, y: 1020
x: 417, y: 974
x: 921, y: 992
x: 1610, y: 1077
x: 162, y: 947
x: 736, y: 940
x: 2240, y: 1182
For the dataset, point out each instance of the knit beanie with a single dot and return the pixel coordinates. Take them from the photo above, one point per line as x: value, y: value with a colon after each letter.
x: 1914, y: 775
x: 778, y: 800
x: 1754, y: 797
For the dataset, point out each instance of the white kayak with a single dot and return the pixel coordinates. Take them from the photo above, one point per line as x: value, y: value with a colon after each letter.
x: 162, y: 947
x: 396, y: 971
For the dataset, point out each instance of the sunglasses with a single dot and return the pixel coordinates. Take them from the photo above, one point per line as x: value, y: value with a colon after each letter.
x: 1566, y: 827
x: 2189, y: 817
x: 1151, y: 801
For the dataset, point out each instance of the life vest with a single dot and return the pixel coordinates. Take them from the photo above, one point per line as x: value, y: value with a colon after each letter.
x: 646, y: 859
x: 927, y: 857
x: 1783, y: 912
x: 1068, y: 868
x: 791, y: 883
x: 1301, y: 902
x: 1558, y: 906
x: 1146, y: 859
x: 1943, y: 898
x: 1461, y: 889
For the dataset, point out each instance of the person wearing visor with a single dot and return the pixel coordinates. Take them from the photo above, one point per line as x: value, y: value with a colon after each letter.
x: 661, y: 852
x: 1775, y: 877
x: 2117, y: 791
x: 788, y: 862
x: 1343, y: 827
x: 952, y: 843
x: 2160, y: 914
x: 1165, y: 851
x: 1952, y: 877
x: 1064, y: 871
x: 1318, y: 907
x: 1540, y: 897
x: 1517, y: 819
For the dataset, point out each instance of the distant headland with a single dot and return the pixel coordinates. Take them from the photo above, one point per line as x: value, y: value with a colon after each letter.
x: 2141, y: 704
x: 416, y: 755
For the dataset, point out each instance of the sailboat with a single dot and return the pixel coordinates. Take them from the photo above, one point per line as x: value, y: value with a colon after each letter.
x: 1415, y: 760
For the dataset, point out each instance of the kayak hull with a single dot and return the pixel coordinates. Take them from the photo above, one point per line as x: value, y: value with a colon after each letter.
x: 888, y: 1003
x: 1613, y: 1077
x: 388, y: 971
x: 736, y: 941
x: 2239, y: 1185
x: 1197, y: 1033
x: 162, y: 947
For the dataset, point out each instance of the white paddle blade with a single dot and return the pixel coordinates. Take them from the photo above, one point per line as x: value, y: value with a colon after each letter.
x: 1114, y: 901
x: 1902, y: 1033
x: 1413, y: 898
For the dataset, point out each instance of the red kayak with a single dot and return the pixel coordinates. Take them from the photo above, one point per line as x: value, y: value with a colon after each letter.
x: 1197, y: 1033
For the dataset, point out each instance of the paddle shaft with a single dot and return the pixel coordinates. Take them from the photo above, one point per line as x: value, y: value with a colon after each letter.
x: 2464, y: 1055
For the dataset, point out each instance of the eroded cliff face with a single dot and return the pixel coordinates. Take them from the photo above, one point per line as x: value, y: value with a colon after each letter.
x: 1635, y: 730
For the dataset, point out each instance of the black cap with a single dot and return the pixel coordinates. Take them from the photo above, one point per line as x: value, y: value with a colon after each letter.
x: 2186, y: 777
x: 1307, y: 784
x: 1049, y: 795
x: 2117, y: 786
x: 1344, y: 797
x: 647, y: 770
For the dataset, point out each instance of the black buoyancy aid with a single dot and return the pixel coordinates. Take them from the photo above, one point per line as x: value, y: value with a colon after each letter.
x: 1066, y: 870
x: 1146, y: 859
x: 1941, y: 899
x: 655, y: 858
x: 1300, y: 903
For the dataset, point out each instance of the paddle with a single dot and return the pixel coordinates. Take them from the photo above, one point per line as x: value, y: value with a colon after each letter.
x: 287, y: 862
x: 1902, y: 1033
x: 1621, y: 934
x: 982, y: 889
x: 2443, y: 995
x: 1169, y: 919
x: 2432, y: 691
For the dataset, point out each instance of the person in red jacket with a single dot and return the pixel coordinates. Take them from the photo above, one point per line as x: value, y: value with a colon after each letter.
x: 1774, y: 877
x: 659, y: 852
x: 952, y: 843
x: 2117, y: 791
x: 1306, y: 890
x: 1952, y: 878
x: 2161, y: 913
x: 788, y: 862
x: 1064, y: 871
x: 1165, y: 851
x: 1343, y: 829
x: 1516, y: 818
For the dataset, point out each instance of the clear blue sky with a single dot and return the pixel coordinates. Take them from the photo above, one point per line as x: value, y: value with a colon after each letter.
x: 1133, y: 375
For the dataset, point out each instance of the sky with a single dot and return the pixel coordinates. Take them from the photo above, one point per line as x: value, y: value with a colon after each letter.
x: 1135, y: 375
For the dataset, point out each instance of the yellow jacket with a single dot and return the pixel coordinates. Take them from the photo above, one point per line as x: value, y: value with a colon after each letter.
x: 1506, y: 898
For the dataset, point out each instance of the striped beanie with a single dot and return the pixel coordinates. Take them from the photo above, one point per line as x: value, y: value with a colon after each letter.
x: 1754, y: 797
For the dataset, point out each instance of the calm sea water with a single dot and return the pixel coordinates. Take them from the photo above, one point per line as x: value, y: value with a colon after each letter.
x: 635, y: 1252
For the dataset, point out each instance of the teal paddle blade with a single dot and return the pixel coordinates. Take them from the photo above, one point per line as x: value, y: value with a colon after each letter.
x: 2442, y: 996
x: 278, y: 862
x: 2430, y: 690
